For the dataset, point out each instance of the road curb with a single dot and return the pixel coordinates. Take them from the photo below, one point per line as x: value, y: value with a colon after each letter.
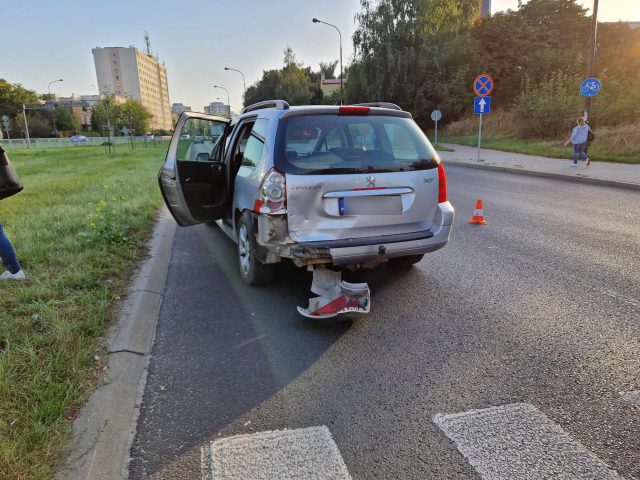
x: 104, y: 431
x: 535, y: 173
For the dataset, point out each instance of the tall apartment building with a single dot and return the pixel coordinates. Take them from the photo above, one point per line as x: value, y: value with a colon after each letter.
x: 128, y: 72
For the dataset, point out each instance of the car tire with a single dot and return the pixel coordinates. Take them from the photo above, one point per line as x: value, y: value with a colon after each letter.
x: 252, y: 271
x: 402, y: 263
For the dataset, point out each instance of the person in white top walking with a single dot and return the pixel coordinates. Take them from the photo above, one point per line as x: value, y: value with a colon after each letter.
x: 579, y: 138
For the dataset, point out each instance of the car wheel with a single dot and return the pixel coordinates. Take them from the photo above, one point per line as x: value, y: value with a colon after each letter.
x: 252, y: 271
x: 402, y: 263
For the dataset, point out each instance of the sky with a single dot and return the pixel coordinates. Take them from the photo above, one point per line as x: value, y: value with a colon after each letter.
x: 195, y: 38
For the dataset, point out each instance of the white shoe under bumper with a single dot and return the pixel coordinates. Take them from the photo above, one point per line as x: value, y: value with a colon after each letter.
x: 7, y: 275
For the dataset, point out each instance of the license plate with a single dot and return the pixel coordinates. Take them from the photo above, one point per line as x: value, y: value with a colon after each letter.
x: 372, y: 205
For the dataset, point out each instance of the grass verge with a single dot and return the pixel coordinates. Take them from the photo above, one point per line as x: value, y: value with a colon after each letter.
x: 441, y: 148
x: 79, y: 227
x: 543, y: 148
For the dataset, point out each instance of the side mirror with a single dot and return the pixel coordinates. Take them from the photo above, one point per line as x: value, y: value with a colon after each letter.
x: 203, y: 157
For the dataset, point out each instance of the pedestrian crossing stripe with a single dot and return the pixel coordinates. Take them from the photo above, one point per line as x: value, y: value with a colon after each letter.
x: 519, y: 443
x: 304, y: 453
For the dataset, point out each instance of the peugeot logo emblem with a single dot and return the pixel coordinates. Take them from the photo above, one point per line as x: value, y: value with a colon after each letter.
x: 371, y: 181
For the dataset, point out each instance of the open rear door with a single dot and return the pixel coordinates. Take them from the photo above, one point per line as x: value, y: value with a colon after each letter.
x: 193, y: 179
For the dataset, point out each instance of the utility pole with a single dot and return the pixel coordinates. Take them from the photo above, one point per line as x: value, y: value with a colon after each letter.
x: 592, y: 55
x: 26, y: 125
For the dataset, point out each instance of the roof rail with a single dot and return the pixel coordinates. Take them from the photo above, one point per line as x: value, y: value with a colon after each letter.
x: 379, y: 104
x: 279, y: 104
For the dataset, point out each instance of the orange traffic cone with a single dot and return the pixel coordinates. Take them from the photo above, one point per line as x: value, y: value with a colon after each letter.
x: 478, y: 217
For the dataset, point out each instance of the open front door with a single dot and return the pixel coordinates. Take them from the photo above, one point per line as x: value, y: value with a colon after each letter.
x: 193, y: 179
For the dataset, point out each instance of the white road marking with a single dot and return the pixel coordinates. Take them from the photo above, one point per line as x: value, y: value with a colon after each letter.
x: 305, y: 453
x: 517, y: 442
x: 633, y: 397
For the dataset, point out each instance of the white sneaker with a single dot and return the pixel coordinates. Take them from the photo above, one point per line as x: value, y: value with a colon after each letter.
x: 7, y: 275
x: 573, y: 164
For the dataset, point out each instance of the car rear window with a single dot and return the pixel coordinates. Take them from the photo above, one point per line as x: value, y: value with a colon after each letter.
x: 335, y: 144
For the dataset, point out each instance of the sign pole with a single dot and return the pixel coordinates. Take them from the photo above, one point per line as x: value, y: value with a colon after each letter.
x: 479, y: 135
x: 26, y: 126
x: 591, y: 55
x: 436, y: 132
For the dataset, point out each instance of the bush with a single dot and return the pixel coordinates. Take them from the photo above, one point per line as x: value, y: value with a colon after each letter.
x: 547, y: 107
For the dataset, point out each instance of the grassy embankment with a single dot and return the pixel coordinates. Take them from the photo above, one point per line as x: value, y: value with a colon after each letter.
x: 619, y: 144
x: 79, y: 228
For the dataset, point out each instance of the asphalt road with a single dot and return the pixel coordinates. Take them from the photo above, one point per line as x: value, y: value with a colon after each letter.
x: 541, y: 306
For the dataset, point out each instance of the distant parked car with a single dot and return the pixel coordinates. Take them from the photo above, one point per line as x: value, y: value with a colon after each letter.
x: 78, y: 139
x: 198, y: 139
x: 185, y: 136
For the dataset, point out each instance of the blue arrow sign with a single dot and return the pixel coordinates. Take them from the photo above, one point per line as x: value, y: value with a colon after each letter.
x: 482, y: 105
x: 590, y: 87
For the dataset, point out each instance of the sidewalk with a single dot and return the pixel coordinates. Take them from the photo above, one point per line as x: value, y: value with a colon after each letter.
x: 617, y: 174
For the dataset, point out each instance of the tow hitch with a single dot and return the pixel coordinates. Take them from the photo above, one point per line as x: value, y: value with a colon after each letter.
x: 336, y: 296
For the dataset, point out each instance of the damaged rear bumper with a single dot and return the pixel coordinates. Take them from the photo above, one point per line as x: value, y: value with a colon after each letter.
x: 377, y: 249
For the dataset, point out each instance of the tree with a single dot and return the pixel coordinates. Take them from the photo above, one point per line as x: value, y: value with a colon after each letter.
x: 65, y: 120
x: 130, y: 114
x: 133, y: 115
x: 39, y: 126
x: 416, y: 53
x: 328, y: 69
x: 294, y: 83
x: 12, y: 96
x: 103, y: 113
x: 540, y: 38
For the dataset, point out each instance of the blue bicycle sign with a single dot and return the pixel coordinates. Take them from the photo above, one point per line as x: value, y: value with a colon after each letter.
x: 590, y: 87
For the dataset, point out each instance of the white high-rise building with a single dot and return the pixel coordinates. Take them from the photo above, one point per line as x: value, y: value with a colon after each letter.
x: 128, y: 72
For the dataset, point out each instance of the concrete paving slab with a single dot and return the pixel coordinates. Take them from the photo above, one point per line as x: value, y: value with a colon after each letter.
x: 517, y: 442
x: 308, y: 453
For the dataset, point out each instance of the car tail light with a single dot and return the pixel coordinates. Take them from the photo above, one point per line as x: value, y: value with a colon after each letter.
x: 354, y: 110
x: 442, y: 184
x: 272, y: 195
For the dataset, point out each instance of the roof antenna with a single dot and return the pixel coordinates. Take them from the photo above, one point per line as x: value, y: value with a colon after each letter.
x: 148, y: 43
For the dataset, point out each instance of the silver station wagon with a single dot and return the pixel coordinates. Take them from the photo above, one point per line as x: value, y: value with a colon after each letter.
x: 351, y: 186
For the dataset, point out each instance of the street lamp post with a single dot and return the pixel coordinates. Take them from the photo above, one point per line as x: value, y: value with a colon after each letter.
x: 53, y: 112
x: 315, y: 20
x: 228, y: 102
x: 244, y: 84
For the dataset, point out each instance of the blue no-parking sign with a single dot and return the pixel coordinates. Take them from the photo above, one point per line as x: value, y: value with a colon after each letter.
x: 590, y: 87
x: 482, y: 85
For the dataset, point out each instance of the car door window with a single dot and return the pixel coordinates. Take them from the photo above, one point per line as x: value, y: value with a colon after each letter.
x: 200, y: 141
x: 253, y: 156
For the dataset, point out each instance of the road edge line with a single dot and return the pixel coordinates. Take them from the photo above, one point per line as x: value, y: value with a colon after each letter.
x: 537, y: 173
x: 105, y: 429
